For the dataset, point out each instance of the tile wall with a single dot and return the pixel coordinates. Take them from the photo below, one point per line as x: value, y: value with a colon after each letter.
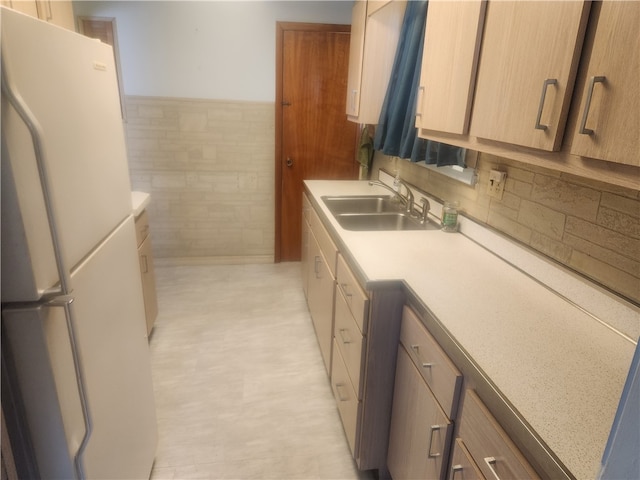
x: 590, y: 226
x: 209, y: 167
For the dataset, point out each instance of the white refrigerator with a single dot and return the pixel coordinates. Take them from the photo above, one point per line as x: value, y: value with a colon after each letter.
x: 75, y: 353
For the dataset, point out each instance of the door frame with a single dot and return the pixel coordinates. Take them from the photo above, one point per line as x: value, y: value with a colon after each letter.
x: 281, y: 27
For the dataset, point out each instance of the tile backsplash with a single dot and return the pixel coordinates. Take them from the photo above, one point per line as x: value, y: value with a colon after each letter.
x: 589, y: 226
x: 209, y: 168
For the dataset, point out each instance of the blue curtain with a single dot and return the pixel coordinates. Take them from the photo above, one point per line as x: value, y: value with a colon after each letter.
x: 396, y: 134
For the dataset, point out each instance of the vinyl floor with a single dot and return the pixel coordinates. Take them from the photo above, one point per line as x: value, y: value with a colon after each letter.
x: 241, y: 389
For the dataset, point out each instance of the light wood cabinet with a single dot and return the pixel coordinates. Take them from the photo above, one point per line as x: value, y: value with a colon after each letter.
x: 319, y: 269
x: 608, y: 123
x: 526, y: 72
x: 375, y: 29
x: 462, y: 465
x: 58, y: 12
x: 147, y: 271
x: 420, y: 434
x: 449, y: 60
x: 320, y: 298
x: 425, y: 402
x: 490, y: 448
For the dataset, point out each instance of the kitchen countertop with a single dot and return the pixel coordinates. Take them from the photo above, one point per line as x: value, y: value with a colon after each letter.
x: 562, y: 369
x: 139, y: 201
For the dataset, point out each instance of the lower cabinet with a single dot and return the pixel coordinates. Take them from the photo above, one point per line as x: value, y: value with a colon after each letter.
x: 320, y: 295
x: 420, y: 433
x: 491, y: 450
x: 146, y: 270
x: 425, y: 401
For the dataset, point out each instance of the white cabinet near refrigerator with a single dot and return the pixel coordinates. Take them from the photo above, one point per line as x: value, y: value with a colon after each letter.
x: 73, y: 321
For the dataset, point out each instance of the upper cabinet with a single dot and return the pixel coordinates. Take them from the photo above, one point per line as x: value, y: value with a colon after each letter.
x: 608, y: 125
x: 375, y: 29
x: 58, y: 12
x: 450, y: 56
x: 528, y: 61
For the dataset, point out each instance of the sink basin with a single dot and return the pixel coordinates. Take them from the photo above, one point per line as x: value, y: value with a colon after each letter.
x: 381, y: 221
x: 362, y: 204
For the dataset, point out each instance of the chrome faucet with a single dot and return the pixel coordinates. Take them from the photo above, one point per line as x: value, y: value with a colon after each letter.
x: 408, y: 200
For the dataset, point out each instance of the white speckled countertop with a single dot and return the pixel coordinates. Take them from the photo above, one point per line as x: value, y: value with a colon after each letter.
x: 139, y: 201
x: 561, y: 368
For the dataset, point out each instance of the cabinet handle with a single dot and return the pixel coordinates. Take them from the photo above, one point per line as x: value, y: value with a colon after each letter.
x: 345, y: 289
x: 145, y: 265
x: 339, y: 388
x: 543, y: 96
x: 419, y: 101
x: 316, y: 265
x: 455, y: 469
x: 491, y: 461
x: 342, y: 336
x: 354, y: 94
x: 434, y: 428
x: 583, y: 123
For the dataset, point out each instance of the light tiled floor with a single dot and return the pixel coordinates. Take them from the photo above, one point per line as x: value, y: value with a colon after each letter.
x: 241, y: 389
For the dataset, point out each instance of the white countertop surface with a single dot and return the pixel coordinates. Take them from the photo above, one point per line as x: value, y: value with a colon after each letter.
x: 139, y: 201
x: 560, y: 368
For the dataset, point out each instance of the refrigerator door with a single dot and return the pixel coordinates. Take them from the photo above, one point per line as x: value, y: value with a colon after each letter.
x: 110, y: 333
x: 67, y: 83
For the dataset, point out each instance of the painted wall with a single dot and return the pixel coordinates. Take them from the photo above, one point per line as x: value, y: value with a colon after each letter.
x: 199, y: 80
x: 223, y: 50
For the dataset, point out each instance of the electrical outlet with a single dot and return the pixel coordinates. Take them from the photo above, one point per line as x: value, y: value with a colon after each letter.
x: 495, y: 188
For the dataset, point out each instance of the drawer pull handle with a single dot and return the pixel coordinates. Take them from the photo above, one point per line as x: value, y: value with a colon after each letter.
x: 583, y: 123
x: 545, y: 86
x: 416, y: 348
x: 491, y: 462
x: 427, y: 365
x: 345, y: 339
x: 340, y: 389
x: 455, y: 469
x: 316, y: 266
x: 345, y: 289
x: 434, y: 428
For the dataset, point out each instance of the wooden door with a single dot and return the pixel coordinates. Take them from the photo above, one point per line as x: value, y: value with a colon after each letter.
x: 526, y: 71
x: 314, y: 140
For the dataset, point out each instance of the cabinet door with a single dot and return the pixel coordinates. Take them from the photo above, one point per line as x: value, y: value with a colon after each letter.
x: 320, y: 299
x: 356, y: 52
x: 148, y: 283
x: 381, y: 33
x: 526, y: 71
x: 420, y: 432
x: 58, y: 12
x: 449, y: 60
x: 462, y: 465
x: 608, y: 124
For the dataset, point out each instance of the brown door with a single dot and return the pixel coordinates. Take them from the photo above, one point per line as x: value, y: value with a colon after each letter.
x: 314, y: 140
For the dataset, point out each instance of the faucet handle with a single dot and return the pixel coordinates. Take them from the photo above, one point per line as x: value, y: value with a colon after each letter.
x: 426, y: 206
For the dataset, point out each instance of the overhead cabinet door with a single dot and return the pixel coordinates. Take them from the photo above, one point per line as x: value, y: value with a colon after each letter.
x: 609, y: 120
x: 449, y: 60
x: 526, y: 71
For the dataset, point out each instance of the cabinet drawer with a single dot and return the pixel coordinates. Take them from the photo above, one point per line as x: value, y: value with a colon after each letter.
x: 420, y: 432
x: 490, y: 447
x: 142, y: 227
x: 434, y: 365
x: 329, y: 249
x: 349, y: 341
x: 462, y: 465
x: 346, y: 399
x: 355, y: 296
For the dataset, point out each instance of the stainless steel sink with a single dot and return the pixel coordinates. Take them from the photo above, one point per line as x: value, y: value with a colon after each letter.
x: 362, y: 204
x: 380, y: 221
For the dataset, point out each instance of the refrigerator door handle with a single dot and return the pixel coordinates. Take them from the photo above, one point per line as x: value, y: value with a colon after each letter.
x: 65, y: 302
x: 18, y: 103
